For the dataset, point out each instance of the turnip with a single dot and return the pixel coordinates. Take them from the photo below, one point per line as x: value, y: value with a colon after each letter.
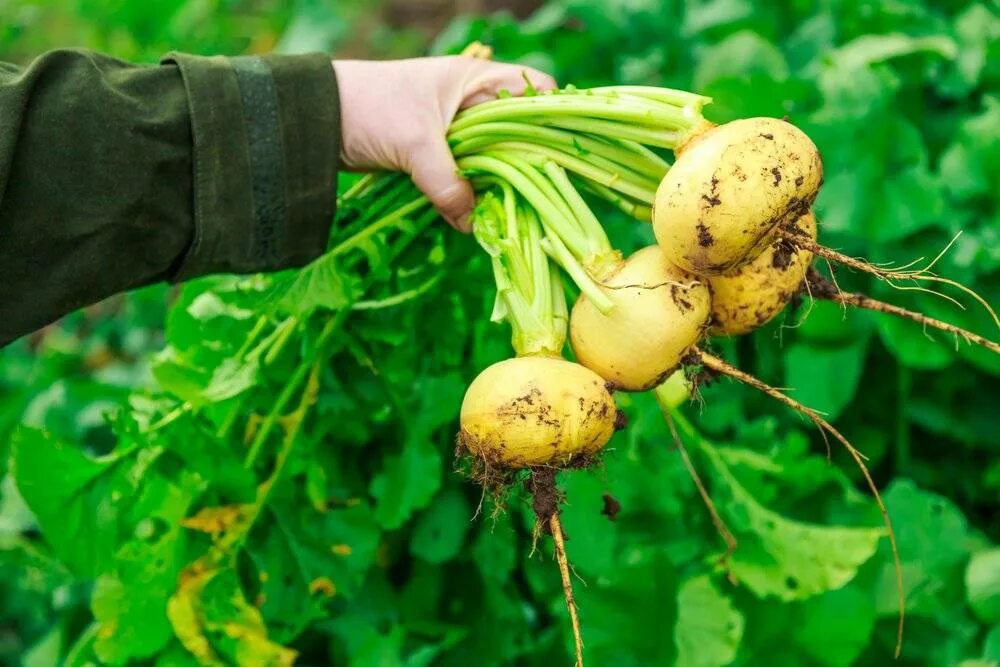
x: 735, y: 238
x: 730, y: 191
x: 750, y: 296
x: 536, y: 410
x: 740, y: 189
x: 658, y: 312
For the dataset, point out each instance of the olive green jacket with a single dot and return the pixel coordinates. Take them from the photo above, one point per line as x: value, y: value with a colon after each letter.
x: 114, y: 176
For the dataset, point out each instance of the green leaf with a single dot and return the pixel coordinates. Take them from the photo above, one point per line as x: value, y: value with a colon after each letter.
x: 913, y: 346
x: 46, y: 651
x: 868, y: 50
x: 825, y: 324
x: 910, y: 202
x: 440, y: 531
x: 715, y: 13
x: 319, y: 286
x: 785, y: 558
x: 793, y: 560
x: 982, y: 584
x: 367, y: 645
x: 210, y: 305
x: 970, y: 166
x: 931, y: 533
x: 739, y: 55
x: 592, y: 537
x: 130, y: 601
x: 75, y: 498
x: 493, y: 550
x: 409, y: 480
x: 306, y: 558
x: 975, y: 29
x: 835, y: 627
x: 824, y: 378
x: 991, y: 648
x: 15, y: 517
x: 709, y: 628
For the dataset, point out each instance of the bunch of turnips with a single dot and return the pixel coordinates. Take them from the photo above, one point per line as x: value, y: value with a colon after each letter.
x: 735, y: 242
x: 735, y: 239
x: 731, y: 212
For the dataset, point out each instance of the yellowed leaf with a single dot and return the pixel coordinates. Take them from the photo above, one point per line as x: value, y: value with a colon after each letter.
x: 323, y: 586
x: 217, y: 520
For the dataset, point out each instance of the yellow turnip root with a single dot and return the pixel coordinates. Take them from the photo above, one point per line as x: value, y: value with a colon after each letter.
x: 723, y: 201
x: 750, y: 296
x: 659, y: 311
x: 536, y: 410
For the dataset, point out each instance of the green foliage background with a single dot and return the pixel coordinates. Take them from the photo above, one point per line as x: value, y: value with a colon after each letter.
x: 902, y: 99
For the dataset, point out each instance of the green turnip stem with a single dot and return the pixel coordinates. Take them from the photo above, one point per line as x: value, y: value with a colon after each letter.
x: 265, y: 345
x: 361, y: 187
x: 532, y: 170
x: 546, y: 197
x: 510, y: 208
x: 400, y: 297
x: 672, y: 96
x: 600, y: 256
x: 564, y: 258
x: 674, y: 391
x: 658, y: 165
x: 599, y: 243
x: 626, y: 205
x: 396, y: 217
x: 594, y: 168
x: 531, y: 236
x: 560, y: 311
x: 331, y: 328
x: 549, y: 214
x: 649, y: 136
x: 558, y: 190
x: 631, y: 154
x: 384, y: 195
x: 252, y: 337
x: 633, y: 110
x: 521, y: 273
x: 286, y: 329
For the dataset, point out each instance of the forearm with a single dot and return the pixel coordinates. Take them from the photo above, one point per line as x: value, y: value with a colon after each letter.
x: 114, y: 176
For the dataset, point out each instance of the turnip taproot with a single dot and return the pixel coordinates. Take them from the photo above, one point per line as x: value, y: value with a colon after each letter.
x: 659, y: 311
x: 536, y: 410
x: 731, y: 190
x: 750, y: 296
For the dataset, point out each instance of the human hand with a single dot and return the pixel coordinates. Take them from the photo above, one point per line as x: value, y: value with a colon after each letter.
x: 395, y: 115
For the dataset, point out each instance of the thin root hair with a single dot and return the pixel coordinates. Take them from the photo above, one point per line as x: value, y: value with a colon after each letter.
x: 891, y: 276
x: 818, y: 286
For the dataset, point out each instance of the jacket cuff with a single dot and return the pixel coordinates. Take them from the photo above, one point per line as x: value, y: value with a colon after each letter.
x: 266, y: 133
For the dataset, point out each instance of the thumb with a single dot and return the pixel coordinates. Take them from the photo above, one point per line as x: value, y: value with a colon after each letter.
x: 434, y: 171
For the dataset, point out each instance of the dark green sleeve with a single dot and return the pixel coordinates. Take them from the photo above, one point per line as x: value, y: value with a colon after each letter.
x: 114, y: 176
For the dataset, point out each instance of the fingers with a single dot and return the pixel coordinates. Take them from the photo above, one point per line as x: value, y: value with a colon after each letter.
x: 489, y: 79
x: 434, y: 171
